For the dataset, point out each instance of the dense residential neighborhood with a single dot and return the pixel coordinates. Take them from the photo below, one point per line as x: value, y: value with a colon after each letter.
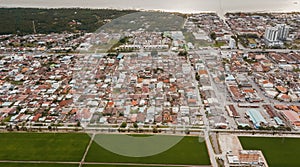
x: 235, y: 74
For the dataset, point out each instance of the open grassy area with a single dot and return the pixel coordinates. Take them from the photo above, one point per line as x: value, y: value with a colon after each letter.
x: 279, y: 152
x: 118, y: 166
x: 62, y: 165
x: 188, y: 151
x: 36, y: 165
x: 43, y: 146
x: 70, y: 147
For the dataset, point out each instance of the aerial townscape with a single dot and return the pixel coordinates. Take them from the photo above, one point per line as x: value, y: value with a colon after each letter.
x: 229, y: 86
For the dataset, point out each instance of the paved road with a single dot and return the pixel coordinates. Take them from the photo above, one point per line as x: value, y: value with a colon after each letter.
x: 221, y: 94
x: 209, y: 146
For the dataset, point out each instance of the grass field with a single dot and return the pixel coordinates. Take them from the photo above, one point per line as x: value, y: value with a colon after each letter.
x: 36, y: 165
x: 188, y: 151
x: 49, y: 148
x: 279, y: 152
x: 43, y: 146
x: 62, y: 165
x: 119, y: 166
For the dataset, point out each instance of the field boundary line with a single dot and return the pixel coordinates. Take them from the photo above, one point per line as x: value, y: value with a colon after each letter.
x: 87, y: 150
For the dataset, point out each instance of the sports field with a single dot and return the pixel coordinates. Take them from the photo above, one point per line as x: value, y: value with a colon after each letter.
x: 120, y: 166
x: 189, y: 151
x: 37, y: 165
x: 43, y: 146
x: 68, y: 150
x: 279, y: 152
x: 64, y: 165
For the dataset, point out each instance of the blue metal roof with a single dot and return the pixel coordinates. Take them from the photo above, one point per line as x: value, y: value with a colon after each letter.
x: 256, y: 117
x: 120, y: 56
x: 230, y: 78
x: 278, y: 121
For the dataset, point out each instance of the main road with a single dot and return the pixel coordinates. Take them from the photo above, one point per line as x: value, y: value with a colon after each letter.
x: 206, y: 131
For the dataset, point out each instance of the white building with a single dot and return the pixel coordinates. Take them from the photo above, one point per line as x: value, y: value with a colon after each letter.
x: 271, y: 34
x: 232, y: 44
x: 275, y: 35
x: 283, y: 31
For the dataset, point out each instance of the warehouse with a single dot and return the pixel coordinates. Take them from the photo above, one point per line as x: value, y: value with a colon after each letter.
x: 256, y: 118
x: 292, y: 117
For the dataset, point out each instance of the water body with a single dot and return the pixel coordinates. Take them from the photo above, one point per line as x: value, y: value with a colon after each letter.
x: 184, y: 6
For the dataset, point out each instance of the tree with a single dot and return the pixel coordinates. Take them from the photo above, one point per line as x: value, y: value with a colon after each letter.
x: 18, y: 109
x: 135, y: 125
x: 123, y: 125
x: 213, y: 35
x: 187, y: 131
x: 197, y: 77
x: 17, y: 127
x: 155, y: 130
x: 9, y: 127
x: 182, y: 53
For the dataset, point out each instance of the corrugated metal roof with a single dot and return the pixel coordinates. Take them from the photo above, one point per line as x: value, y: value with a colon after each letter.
x: 278, y: 121
x: 256, y: 117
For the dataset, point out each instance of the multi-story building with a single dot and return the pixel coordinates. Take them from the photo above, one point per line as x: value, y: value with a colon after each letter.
x: 275, y: 35
x: 283, y: 31
x: 271, y: 34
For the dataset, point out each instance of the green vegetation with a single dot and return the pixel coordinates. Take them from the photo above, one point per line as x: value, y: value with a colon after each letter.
x: 218, y: 44
x: 213, y: 35
x: 279, y: 151
x: 297, y: 70
x: 187, y: 151
x: 122, y: 41
x: 117, y: 166
x: 250, y: 61
x: 20, y: 20
x: 43, y: 146
x: 70, y: 147
x: 17, y: 82
x: 62, y: 165
x: 150, y: 21
x: 135, y: 125
x: 37, y: 165
x: 182, y: 53
x: 245, y: 39
x: 123, y: 125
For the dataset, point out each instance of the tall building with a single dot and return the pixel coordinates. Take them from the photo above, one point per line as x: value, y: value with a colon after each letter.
x: 275, y: 35
x: 283, y: 31
x: 271, y: 34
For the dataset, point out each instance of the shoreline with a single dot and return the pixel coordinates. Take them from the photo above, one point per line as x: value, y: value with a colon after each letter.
x: 150, y: 10
x: 221, y: 7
